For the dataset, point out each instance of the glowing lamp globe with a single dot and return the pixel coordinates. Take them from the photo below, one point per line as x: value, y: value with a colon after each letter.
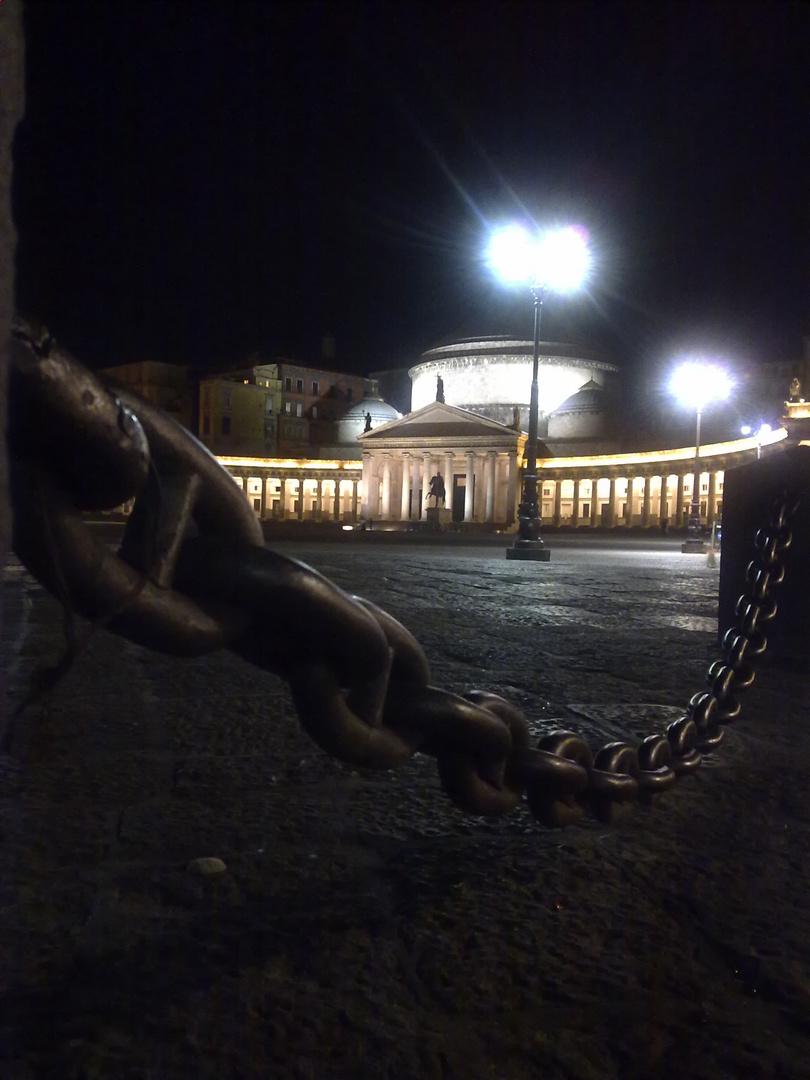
x: 697, y: 384
x: 557, y: 260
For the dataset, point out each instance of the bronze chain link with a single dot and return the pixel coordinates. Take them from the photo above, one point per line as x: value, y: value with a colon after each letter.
x: 192, y: 575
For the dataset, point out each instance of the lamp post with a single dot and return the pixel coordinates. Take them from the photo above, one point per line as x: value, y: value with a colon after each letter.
x: 697, y: 385
x: 759, y: 434
x: 555, y: 260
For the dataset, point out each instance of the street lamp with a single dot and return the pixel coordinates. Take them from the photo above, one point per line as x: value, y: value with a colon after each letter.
x: 698, y: 384
x: 759, y: 435
x: 559, y: 261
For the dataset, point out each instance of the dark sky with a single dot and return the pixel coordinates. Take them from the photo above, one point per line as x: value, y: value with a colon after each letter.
x: 196, y: 181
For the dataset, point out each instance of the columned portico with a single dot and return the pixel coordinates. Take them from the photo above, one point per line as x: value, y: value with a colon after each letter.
x: 476, y: 458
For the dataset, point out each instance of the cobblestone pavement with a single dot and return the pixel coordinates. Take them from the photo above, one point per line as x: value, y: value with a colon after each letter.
x: 364, y: 927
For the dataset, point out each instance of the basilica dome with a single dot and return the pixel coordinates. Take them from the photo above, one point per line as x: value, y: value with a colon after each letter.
x: 584, y: 415
x: 354, y: 422
x: 492, y: 376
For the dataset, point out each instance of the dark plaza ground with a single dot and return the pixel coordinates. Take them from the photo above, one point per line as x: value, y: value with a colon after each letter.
x: 364, y: 927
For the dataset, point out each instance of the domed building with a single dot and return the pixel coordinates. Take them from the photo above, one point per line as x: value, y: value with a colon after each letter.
x: 492, y: 377
x: 368, y: 413
x: 583, y: 423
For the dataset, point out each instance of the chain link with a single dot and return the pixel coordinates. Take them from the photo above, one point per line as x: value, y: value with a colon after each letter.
x: 192, y: 575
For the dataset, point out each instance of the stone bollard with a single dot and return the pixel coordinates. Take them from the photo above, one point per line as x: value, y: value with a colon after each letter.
x: 748, y: 493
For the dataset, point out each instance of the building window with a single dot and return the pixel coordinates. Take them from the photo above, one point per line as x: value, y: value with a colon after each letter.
x: 206, y: 397
x: 206, y: 424
x: 226, y: 399
x: 288, y: 408
x: 226, y: 425
x: 314, y: 412
x: 586, y: 510
x: 288, y: 383
x: 299, y: 385
x: 315, y: 386
x: 299, y: 409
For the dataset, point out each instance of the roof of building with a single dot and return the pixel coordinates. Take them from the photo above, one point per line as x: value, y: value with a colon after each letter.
x: 438, y: 420
x: 590, y: 397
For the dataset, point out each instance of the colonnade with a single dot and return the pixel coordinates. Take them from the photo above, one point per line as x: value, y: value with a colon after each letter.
x: 294, y: 495
x: 395, y: 487
x: 617, y: 499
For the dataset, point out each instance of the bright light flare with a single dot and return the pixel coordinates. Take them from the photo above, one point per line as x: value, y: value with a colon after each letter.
x: 696, y: 384
x: 760, y: 433
x: 557, y: 260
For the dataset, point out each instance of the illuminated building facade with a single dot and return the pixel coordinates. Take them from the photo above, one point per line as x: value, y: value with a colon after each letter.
x: 370, y: 462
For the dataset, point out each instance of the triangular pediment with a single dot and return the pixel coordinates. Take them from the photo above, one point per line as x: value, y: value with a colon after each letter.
x: 436, y: 421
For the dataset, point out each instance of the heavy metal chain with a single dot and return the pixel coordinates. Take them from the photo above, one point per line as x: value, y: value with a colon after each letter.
x: 192, y: 575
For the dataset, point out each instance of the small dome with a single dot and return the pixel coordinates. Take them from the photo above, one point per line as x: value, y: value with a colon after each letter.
x: 589, y: 398
x: 353, y: 423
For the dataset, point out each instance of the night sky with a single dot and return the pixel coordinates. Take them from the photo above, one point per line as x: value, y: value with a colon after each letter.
x: 198, y: 181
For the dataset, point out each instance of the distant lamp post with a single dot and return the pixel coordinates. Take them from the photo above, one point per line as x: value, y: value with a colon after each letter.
x: 697, y: 384
x: 759, y: 435
x: 556, y: 260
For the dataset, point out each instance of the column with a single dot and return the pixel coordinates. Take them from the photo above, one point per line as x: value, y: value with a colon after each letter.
x: 594, y: 502
x: 282, y: 496
x: 470, y: 482
x: 355, y: 498
x: 611, y: 514
x: 557, y: 503
x: 490, y: 510
x: 679, y: 503
x: 663, y: 498
x: 385, y: 510
x: 263, y: 511
x: 645, y: 509
x: 628, y: 504
x: 575, y: 507
x: 426, y: 470
x: 712, y: 500
x: 448, y: 480
x: 415, y: 489
x: 511, y: 488
x: 319, y: 499
x: 368, y: 506
x: 336, y: 501
x: 405, y: 486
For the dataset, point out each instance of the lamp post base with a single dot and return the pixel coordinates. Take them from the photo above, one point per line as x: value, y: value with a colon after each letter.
x: 532, y: 550
x: 693, y: 547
